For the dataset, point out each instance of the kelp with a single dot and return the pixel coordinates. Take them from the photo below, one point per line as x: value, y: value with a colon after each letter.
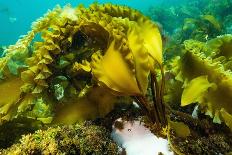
x: 167, y: 15
x: 105, y: 48
x: 10, y: 94
x: 213, y: 21
x: 221, y: 50
x: 181, y: 129
x: 195, y: 89
x: 196, y: 16
x: 205, y: 81
x: 202, y: 28
x: 199, y: 77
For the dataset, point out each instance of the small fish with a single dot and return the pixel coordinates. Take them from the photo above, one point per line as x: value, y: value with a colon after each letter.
x: 6, y: 11
x: 12, y: 19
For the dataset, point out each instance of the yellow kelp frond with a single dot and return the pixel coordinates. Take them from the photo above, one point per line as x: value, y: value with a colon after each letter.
x: 181, y: 130
x: 212, y: 93
x: 41, y: 108
x: 192, y: 66
x: 174, y: 67
x: 195, y: 90
x: 77, y: 110
x: 141, y: 61
x: 196, y: 47
x: 213, y: 21
x: 9, y: 95
x: 10, y: 90
x: 112, y: 70
x: 188, y: 22
x: 149, y: 30
x: 36, y: 76
x: 152, y: 40
x: 105, y: 103
x: 26, y: 103
x: 227, y: 118
x: 118, y: 11
x: 13, y: 63
x: 3, y: 66
x: 201, y: 28
x: 87, y: 107
x: 85, y: 66
x: 173, y: 92
x: 221, y: 46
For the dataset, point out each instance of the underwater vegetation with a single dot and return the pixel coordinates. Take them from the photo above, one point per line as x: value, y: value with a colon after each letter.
x: 204, y: 72
x: 73, y: 139
x: 74, y: 63
x: 199, y: 20
x: 199, y: 83
x: 89, y: 60
x: 2, y: 49
x: 197, y: 58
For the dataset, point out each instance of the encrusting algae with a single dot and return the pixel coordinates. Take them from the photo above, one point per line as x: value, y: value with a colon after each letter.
x: 73, y: 139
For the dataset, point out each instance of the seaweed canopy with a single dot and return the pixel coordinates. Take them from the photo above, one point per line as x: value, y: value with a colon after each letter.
x: 221, y: 47
x: 134, y: 58
x: 106, y: 48
x: 206, y: 82
x: 202, y: 28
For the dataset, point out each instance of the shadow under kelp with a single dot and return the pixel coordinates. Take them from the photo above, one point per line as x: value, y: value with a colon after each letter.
x: 11, y: 132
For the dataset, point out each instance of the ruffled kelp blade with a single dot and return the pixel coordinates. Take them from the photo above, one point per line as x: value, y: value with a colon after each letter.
x: 213, y: 21
x: 9, y: 95
x: 113, y: 71
x: 221, y: 46
x: 212, y: 93
x: 152, y: 40
x: 227, y: 118
x: 195, y: 90
x: 141, y: 59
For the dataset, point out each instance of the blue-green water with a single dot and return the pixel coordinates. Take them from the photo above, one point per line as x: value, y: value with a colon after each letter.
x: 17, y: 15
x: 81, y: 74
